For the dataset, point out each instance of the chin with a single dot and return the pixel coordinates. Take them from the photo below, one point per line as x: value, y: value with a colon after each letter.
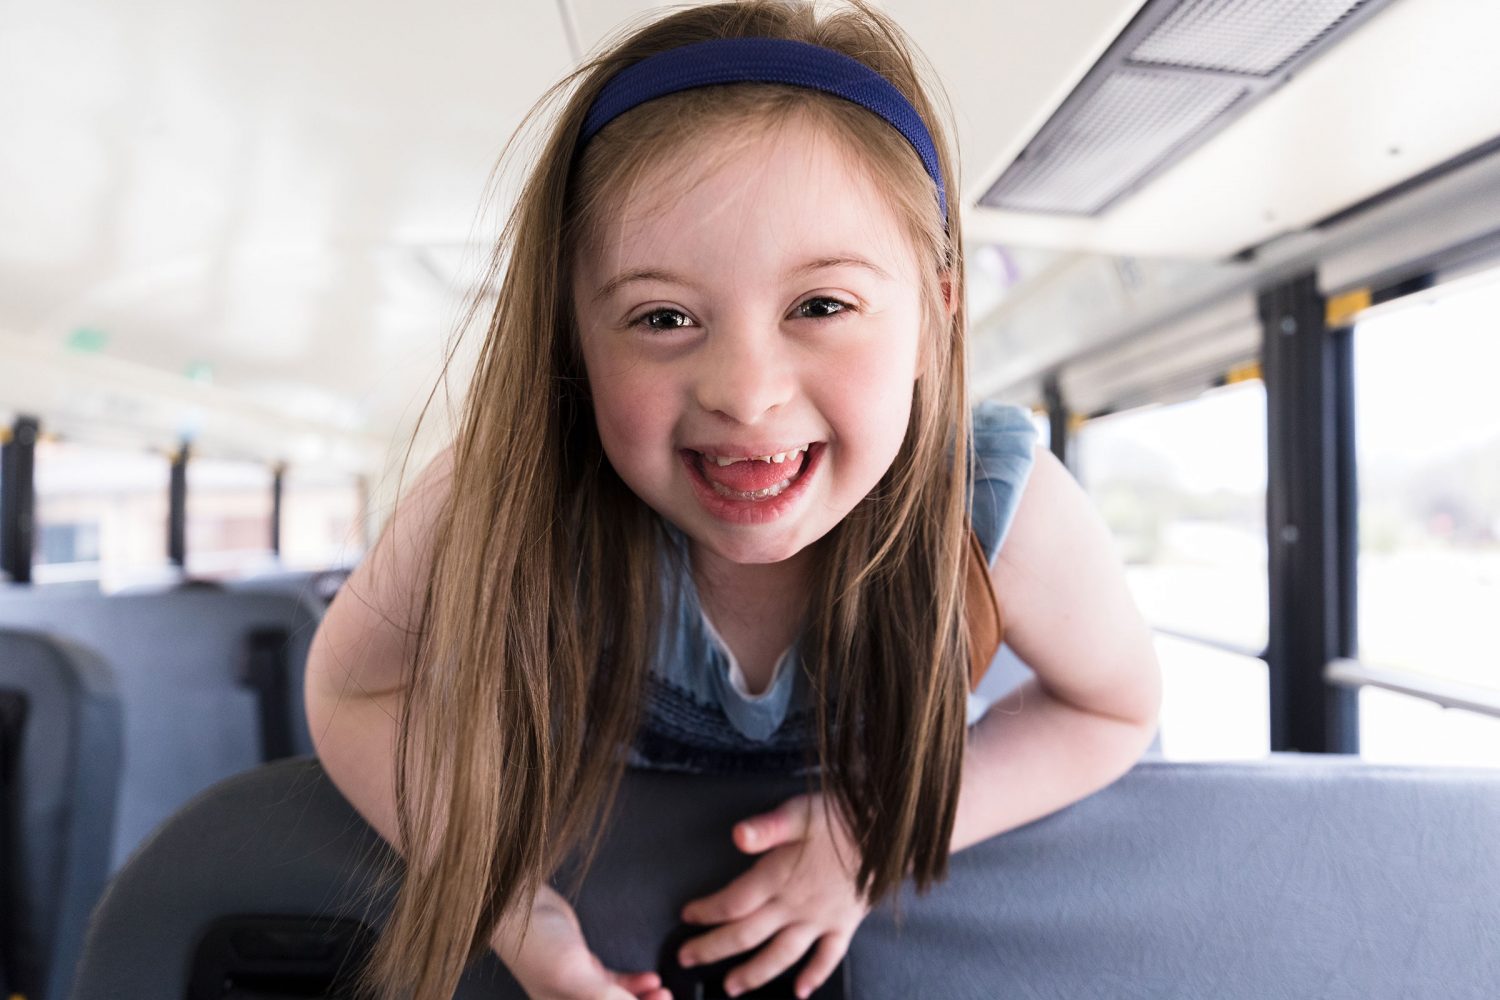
x: 749, y: 551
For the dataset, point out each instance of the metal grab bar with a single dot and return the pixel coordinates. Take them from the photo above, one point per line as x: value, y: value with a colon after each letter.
x: 1449, y: 694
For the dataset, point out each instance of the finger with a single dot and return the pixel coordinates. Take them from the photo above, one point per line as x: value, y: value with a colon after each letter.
x: 731, y: 939
x: 831, y: 950
x: 653, y: 993
x: 636, y: 986
x: 636, y: 982
x: 739, y: 898
x: 772, y: 960
x: 782, y: 825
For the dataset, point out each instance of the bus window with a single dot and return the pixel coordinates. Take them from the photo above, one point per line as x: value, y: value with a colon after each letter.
x: 1043, y: 428
x: 101, y: 514
x: 228, y: 517
x: 321, y: 520
x: 1428, y: 441
x: 1183, y: 489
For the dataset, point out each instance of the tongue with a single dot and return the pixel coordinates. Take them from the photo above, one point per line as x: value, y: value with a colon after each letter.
x: 753, y: 475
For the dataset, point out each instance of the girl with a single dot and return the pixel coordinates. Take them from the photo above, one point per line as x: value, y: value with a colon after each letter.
x: 708, y: 508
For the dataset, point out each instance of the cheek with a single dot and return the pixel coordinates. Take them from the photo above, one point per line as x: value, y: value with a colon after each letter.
x: 874, y: 382
x: 884, y: 411
x: 633, y: 411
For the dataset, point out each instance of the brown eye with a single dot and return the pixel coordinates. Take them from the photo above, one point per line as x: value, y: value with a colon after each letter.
x: 822, y: 307
x: 662, y: 319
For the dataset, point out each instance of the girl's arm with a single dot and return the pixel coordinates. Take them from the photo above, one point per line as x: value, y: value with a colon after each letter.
x: 358, y: 660
x: 356, y: 680
x: 1091, y: 710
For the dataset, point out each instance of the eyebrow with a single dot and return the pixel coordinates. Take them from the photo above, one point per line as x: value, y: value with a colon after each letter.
x: 667, y: 277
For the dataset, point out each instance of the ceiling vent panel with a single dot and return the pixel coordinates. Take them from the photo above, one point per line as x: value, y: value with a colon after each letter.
x: 1253, y: 37
x: 1181, y: 71
x: 1132, y: 121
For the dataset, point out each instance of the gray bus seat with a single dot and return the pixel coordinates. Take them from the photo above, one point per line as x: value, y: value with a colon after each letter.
x: 316, y: 586
x: 63, y: 770
x: 1290, y: 877
x: 210, y: 683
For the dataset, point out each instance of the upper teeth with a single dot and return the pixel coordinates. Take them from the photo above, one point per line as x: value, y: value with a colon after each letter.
x: 778, y: 458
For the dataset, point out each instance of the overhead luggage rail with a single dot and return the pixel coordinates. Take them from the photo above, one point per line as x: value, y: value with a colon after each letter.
x: 1292, y: 876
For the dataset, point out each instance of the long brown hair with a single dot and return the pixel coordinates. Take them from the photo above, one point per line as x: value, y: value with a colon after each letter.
x: 538, y: 617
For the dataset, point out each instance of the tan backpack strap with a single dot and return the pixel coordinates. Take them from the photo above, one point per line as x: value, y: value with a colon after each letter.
x: 986, y: 624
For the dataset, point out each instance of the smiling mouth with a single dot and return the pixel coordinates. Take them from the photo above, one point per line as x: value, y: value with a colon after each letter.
x: 752, y: 479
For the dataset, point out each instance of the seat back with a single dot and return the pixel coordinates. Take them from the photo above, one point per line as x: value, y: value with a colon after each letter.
x: 190, y: 668
x: 318, y: 587
x: 62, y: 770
x: 261, y: 886
x: 1289, y: 877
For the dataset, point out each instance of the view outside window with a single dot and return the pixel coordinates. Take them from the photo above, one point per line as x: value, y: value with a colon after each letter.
x: 1183, y: 489
x: 101, y: 514
x: 321, y: 520
x: 1215, y: 705
x: 228, y: 518
x: 1428, y: 440
x: 1043, y: 429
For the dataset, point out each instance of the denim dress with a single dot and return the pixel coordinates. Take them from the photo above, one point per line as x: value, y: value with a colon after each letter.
x: 699, y: 716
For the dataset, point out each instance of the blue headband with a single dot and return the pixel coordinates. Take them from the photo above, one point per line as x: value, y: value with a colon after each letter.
x: 764, y: 60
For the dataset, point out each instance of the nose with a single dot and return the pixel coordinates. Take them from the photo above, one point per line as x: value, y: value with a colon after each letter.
x: 744, y: 372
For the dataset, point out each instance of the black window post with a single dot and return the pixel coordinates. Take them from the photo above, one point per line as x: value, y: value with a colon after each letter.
x: 18, y: 498
x: 1309, y: 518
x: 277, y: 480
x: 1058, y: 419
x: 177, y: 509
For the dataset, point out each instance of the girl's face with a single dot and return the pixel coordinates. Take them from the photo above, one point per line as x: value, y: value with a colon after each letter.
x: 752, y: 305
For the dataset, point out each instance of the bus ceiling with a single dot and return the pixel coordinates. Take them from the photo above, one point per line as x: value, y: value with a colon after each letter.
x: 1208, y: 128
x: 248, y: 230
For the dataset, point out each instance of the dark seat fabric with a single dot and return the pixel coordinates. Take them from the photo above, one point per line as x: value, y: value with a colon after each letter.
x: 67, y: 775
x: 276, y: 841
x: 1292, y: 877
x: 180, y: 661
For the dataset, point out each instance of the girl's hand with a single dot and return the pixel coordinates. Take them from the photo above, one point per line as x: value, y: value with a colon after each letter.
x: 554, y: 963
x: 800, y: 893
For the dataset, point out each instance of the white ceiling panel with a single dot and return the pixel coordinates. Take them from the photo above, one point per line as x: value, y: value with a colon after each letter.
x: 242, y: 188
x: 1007, y: 66
x: 281, y: 199
x: 1414, y: 87
x: 274, y: 197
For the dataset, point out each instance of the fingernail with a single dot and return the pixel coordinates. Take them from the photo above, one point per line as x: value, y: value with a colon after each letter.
x: 684, y: 959
x: 750, y: 834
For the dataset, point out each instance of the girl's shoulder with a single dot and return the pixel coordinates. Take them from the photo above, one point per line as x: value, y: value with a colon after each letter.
x: 1003, y: 443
